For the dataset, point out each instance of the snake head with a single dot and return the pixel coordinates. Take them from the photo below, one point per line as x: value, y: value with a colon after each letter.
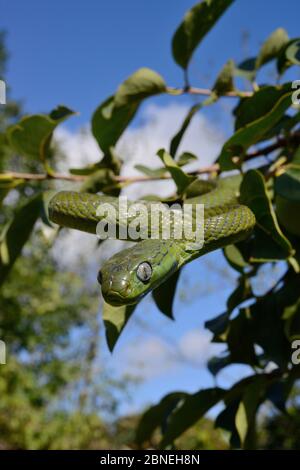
x: 130, y: 274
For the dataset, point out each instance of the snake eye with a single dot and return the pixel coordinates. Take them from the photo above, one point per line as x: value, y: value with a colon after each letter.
x: 99, y: 277
x: 144, y: 271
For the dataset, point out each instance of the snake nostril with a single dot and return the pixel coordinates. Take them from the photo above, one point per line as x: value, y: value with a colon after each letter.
x: 99, y: 277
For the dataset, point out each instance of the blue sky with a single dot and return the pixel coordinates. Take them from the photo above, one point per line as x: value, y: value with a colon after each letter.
x: 78, y: 52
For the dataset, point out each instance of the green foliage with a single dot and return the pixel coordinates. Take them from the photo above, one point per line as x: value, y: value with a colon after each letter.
x: 109, y: 123
x: 269, y: 243
x: 180, y: 178
x: 253, y: 131
x: 224, y: 82
x: 140, y: 85
x: 31, y: 136
x: 115, y: 319
x: 196, y: 24
x: 164, y: 295
x: 272, y: 47
x: 289, y: 55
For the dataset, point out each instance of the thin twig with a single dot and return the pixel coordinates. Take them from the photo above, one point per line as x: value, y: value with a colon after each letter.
x: 281, y: 142
x: 207, y: 92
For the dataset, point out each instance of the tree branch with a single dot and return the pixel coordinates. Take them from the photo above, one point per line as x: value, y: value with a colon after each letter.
x: 281, y: 142
x: 207, y: 92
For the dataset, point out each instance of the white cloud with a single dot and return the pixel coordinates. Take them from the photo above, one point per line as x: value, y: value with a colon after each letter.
x: 153, y: 356
x: 147, y: 358
x: 196, y: 347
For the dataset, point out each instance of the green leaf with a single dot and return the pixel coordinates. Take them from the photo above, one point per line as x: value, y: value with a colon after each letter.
x: 189, y: 411
x: 219, y: 324
x: 252, y: 132
x: 246, y: 412
x: 254, y: 195
x: 226, y: 420
x: 181, y: 179
x: 156, y: 416
x: 175, y: 142
x: 287, y: 185
x: 268, y: 324
x: 292, y: 122
x: 7, y: 183
x: 109, y: 123
x: 152, y: 172
x: 31, y: 136
x: 242, y: 292
x: 185, y: 158
x: 115, y: 320
x: 16, y: 234
x: 291, y: 315
x: 235, y: 258
x: 246, y: 69
x: 195, y: 25
x: 102, y: 180
x: 241, y: 352
x: 216, y: 364
x: 224, y: 82
x: 258, y: 105
x: 164, y: 295
x: 290, y: 55
x: 287, y: 190
x: 272, y: 47
x: 140, y: 85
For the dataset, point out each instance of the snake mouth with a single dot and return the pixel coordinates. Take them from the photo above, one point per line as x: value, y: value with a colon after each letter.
x: 115, y: 299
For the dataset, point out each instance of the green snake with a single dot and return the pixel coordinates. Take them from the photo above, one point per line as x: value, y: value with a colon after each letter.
x: 133, y: 272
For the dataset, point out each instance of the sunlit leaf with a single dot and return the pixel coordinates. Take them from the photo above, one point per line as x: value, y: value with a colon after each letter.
x: 109, y: 123
x: 185, y: 158
x: 255, y: 196
x: 258, y: 105
x: 272, y: 46
x: 224, y: 82
x: 151, y: 172
x: 195, y: 25
x: 235, y: 258
x: 290, y: 55
x: 31, y: 136
x: 181, y: 179
x: 252, y: 132
x: 140, y: 85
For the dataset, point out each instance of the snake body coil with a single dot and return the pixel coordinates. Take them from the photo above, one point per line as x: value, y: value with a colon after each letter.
x: 130, y: 274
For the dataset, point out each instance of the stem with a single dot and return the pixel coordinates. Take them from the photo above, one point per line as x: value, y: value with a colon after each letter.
x: 206, y: 92
x: 138, y: 179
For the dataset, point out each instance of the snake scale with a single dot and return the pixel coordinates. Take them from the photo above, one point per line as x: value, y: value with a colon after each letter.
x: 133, y: 272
